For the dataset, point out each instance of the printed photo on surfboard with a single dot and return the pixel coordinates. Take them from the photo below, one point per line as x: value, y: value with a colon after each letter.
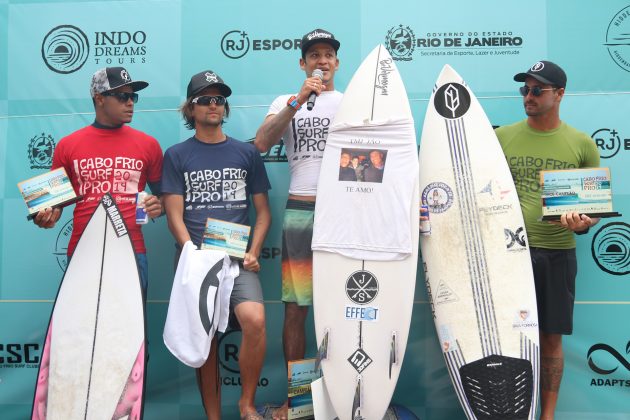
x: 52, y: 189
x: 362, y: 165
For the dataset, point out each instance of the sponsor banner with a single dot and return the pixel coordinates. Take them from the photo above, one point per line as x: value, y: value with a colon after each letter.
x: 597, y: 362
x: 68, y: 42
x: 422, y: 41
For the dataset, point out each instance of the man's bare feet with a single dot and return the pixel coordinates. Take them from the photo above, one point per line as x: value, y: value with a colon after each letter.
x: 281, y: 413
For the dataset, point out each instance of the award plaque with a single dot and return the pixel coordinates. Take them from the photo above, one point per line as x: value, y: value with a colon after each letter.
x: 52, y: 189
x: 226, y: 236
x: 586, y: 191
x: 300, y: 400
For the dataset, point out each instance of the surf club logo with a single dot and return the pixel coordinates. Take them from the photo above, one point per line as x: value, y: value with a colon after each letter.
x: 452, y: 101
x: 611, y: 248
x: 609, y: 142
x: 236, y: 44
x: 114, y: 215
x: 438, y: 196
x: 618, y: 38
x: 402, y: 43
x: 65, y: 49
x: 40, y: 151
x: 359, y: 313
x: 61, y: 245
x: 604, y: 359
x: 362, y: 287
x: 523, y: 319
x: 228, y: 360
x: 515, y: 239
x: 19, y: 355
x: 359, y: 360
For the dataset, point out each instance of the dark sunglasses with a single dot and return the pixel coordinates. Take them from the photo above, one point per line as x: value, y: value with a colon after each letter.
x: 536, y: 90
x: 122, y: 96
x: 207, y: 100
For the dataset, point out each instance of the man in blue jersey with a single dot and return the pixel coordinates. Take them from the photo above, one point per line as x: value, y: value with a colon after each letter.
x: 214, y: 175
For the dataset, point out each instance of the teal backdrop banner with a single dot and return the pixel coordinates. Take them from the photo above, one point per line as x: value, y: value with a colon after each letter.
x: 50, y: 48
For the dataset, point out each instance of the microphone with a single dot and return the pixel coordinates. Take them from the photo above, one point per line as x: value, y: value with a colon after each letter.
x: 311, y: 98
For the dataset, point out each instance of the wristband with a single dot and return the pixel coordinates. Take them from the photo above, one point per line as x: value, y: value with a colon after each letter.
x: 293, y: 103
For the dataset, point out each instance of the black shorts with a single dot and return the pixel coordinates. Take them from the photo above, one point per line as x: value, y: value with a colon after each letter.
x: 554, y: 274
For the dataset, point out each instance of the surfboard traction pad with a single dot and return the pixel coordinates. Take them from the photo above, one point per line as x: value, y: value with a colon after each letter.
x: 498, y: 387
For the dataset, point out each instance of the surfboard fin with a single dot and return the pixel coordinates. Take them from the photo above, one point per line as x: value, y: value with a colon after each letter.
x: 356, y: 403
x: 322, y: 351
x: 393, y: 353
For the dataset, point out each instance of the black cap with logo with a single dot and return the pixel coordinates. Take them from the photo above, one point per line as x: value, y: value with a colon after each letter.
x: 110, y: 78
x: 546, y: 72
x: 206, y: 79
x: 318, y: 35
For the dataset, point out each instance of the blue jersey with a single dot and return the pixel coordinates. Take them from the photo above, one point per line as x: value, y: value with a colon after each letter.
x: 215, y: 179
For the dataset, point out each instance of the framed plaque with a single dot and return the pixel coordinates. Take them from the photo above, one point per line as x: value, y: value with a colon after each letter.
x: 52, y: 189
x: 586, y: 191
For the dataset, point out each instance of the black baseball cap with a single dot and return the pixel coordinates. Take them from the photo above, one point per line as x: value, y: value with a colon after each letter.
x: 110, y: 78
x: 546, y: 72
x: 318, y: 35
x: 206, y: 79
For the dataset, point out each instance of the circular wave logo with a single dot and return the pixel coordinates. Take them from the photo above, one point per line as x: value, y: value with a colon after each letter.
x: 235, y: 44
x: 611, y: 248
x: 65, y: 49
x: 400, y: 42
x: 618, y: 38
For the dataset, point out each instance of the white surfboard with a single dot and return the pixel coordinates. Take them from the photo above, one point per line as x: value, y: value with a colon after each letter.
x: 477, y: 266
x: 93, y: 361
x: 365, y: 242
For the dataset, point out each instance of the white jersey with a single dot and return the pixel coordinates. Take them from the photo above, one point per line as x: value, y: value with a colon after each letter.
x: 199, y: 304
x: 305, y: 139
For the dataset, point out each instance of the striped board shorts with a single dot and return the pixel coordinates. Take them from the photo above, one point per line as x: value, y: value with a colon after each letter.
x: 297, y: 256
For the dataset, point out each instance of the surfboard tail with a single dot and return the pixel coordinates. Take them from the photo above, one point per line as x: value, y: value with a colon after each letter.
x: 130, y: 402
x: 498, y: 387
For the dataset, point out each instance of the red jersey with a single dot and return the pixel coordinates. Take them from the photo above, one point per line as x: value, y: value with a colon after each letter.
x: 118, y: 161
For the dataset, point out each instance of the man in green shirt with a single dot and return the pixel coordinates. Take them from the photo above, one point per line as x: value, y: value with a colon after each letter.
x: 542, y: 142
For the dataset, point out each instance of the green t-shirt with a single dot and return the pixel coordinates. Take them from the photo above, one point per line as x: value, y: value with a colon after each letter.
x: 529, y: 151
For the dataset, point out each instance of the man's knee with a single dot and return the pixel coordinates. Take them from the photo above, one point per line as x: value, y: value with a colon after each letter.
x: 251, y: 318
x: 295, y: 313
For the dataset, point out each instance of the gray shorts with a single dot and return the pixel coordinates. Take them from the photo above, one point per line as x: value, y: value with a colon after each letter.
x: 554, y: 274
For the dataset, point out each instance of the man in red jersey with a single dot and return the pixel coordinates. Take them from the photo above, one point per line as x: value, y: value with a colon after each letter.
x: 110, y: 157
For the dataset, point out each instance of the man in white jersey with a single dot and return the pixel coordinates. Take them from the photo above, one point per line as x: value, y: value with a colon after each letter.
x: 304, y: 133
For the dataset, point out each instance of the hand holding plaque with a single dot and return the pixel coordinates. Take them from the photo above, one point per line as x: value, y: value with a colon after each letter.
x: 585, y: 191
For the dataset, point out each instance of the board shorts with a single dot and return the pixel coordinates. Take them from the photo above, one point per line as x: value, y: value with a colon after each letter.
x: 554, y: 274
x: 297, y: 255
